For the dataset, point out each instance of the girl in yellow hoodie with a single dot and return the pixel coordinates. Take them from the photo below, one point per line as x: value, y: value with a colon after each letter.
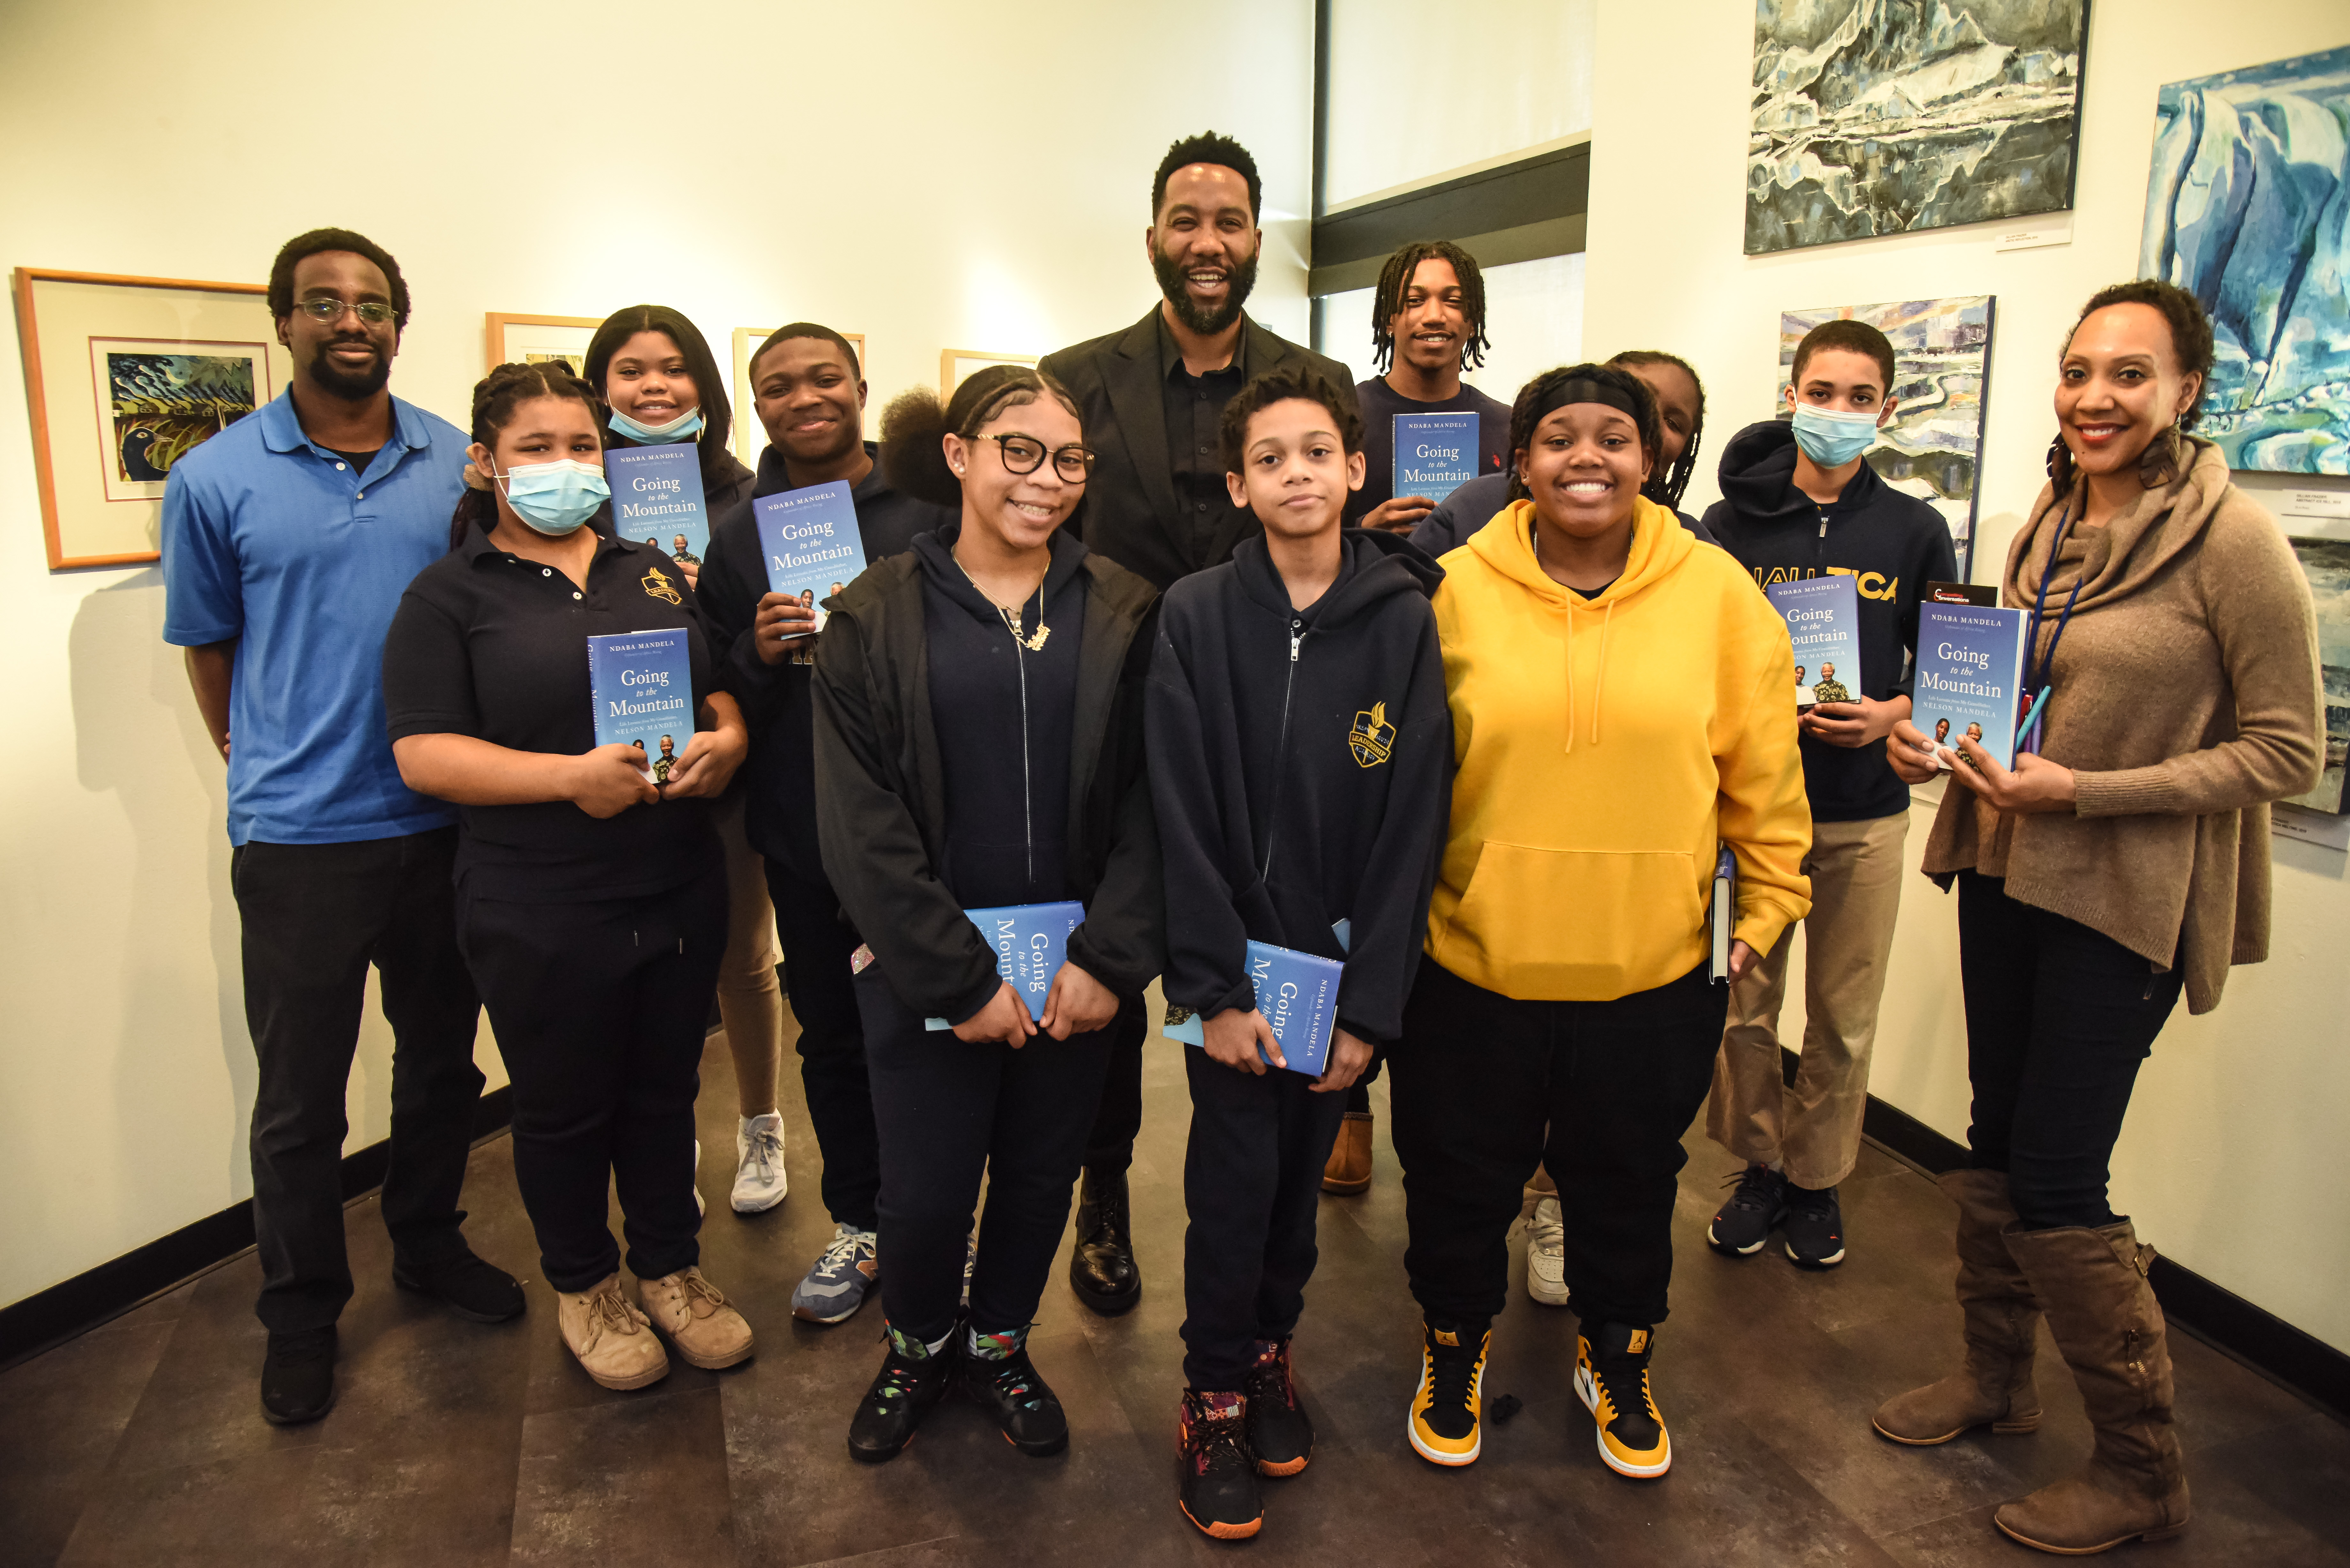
x: 1618, y: 712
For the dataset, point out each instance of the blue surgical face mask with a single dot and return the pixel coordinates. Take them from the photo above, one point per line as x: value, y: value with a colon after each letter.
x: 1831, y: 439
x: 554, y: 498
x: 685, y: 427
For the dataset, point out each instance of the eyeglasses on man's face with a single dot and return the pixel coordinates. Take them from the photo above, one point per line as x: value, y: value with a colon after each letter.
x: 374, y: 312
x: 1025, y: 454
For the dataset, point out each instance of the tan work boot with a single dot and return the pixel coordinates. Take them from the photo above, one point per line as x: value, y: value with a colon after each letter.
x: 2092, y: 1284
x: 610, y: 1337
x: 1349, y: 1169
x: 695, y: 1318
x: 1993, y: 1387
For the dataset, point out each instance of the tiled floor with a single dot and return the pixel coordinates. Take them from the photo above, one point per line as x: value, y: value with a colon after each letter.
x: 454, y: 1444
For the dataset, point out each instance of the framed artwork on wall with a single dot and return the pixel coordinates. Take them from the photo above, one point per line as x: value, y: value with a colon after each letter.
x: 2237, y: 213
x: 750, y: 437
x: 124, y: 376
x: 2326, y: 564
x: 1884, y: 117
x: 1933, y: 448
x: 957, y: 366
x: 534, y: 339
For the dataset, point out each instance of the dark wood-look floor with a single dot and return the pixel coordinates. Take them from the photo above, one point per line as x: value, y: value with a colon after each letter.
x: 453, y: 1444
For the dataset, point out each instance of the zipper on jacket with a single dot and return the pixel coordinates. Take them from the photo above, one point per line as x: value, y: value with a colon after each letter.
x: 1820, y: 552
x: 1281, y: 751
x: 1027, y: 794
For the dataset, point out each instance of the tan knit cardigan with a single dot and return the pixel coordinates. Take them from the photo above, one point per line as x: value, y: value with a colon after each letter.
x: 2187, y: 699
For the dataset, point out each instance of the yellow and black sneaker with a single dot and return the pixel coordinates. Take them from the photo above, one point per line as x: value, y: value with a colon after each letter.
x: 1444, y: 1413
x: 1611, y: 1374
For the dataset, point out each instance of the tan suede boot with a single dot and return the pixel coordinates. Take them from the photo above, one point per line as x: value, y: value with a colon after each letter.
x: 695, y: 1318
x: 2092, y: 1284
x: 610, y: 1337
x: 1349, y: 1170
x: 1993, y: 1387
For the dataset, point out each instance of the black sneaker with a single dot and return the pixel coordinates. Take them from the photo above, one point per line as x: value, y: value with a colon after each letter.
x: 1443, y: 1428
x: 297, y: 1377
x: 1745, y: 1221
x: 1815, y: 1226
x: 912, y: 1379
x: 999, y: 1375
x: 1611, y: 1375
x: 475, y: 1290
x: 1279, y: 1433
x: 1218, y: 1490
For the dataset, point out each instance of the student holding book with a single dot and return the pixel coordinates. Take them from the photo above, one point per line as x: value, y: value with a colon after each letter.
x: 809, y: 393
x: 1428, y: 325
x: 978, y: 745
x: 2125, y: 862
x: 1300, y: 746
x: 591, y: 904
x: 1616, y: 694
x: 1799, y: 500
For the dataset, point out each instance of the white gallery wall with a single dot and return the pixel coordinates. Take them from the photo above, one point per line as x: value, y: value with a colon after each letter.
x: 2229, y: 1159
x: 930, y: 175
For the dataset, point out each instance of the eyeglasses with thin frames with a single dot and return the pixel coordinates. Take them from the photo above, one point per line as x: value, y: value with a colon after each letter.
x: 374, y: 312
x: 1025, y: 454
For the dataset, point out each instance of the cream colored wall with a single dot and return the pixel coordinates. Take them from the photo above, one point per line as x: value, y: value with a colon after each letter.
x: 2228, y: 1159
x: 933, y: 175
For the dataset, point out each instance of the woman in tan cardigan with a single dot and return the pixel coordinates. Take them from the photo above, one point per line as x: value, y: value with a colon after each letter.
x: 2126, y: 861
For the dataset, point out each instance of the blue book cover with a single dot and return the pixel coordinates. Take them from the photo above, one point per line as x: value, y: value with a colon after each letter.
x: 657, y: 498
x: 1435, y: 454
x: 1299, y: 994
x: 1823, y: 616
x: 1969, y: 678
x: 1031, y: 943
x: 810, y: 542
x: 641, y: 684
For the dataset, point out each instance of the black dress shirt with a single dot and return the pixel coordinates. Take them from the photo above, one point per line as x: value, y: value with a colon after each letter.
x: 1195, y: 421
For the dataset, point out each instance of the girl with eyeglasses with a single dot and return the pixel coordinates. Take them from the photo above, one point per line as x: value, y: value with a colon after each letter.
x: 978, y: 744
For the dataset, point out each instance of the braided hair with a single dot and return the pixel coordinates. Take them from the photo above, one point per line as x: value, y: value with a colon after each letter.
x: 497, y: 396
x: 1532, y: 404
x: 1666, y: 488
x: 1395, y: 280
x: 913, y: 454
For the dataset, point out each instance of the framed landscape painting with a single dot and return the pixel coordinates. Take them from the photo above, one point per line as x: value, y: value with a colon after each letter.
x: 535, y: 340
x: 2326, y: 564
x: 125, y: 376
x: 750, y: 437
x: 957, y: 366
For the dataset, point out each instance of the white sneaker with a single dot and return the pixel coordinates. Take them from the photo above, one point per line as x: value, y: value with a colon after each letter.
x: 1547, y: 1254
x: 759, y: 1178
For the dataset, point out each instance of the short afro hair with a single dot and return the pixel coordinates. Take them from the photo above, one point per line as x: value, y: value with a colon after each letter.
x: 1304, y: 385
x: 1208, y: 146
x: 316, y: 242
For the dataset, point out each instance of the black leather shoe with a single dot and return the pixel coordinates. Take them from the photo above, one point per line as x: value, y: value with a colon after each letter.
x: 911, y: 1380
x: 475, y: 1290
x: 1006, y: 1386
x: 297, y: 1378
x: 1102, y: 1269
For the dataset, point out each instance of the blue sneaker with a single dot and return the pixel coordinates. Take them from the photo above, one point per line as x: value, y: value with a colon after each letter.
x: 837, y: 1286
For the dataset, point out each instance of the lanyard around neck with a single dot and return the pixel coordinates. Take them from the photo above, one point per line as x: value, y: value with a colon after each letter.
x: 2047, y: 662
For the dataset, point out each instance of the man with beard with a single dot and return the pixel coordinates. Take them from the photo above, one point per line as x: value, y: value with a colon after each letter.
x: 1153, y: 397
x: 288, y: 541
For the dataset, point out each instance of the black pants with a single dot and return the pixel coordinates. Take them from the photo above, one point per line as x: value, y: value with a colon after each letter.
x: 817, y: 941
x: 948, y: 1114
x: 1109, y: 1147
x: 601, y: 1007
x: 314, y: 916
x: 1600, y: 1092
x: 2058, y: 1019
x: 1252, y: 1184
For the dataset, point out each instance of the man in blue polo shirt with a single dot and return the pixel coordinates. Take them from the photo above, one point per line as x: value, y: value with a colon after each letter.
x: 287, y: 540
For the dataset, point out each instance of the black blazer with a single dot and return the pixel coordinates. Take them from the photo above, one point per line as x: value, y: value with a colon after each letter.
x: 1131, y: 513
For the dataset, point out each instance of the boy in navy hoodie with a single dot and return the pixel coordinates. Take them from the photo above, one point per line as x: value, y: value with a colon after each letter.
x: 1301, y: 757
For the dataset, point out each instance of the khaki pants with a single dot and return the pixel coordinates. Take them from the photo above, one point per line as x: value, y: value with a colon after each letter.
x: 750, y: 1002
x: 1814, y: 1127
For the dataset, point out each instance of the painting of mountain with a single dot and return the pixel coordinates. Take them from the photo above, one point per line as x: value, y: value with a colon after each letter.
x: 2327, y: 563
x: 1884, y: 117
x: 2248, y: 206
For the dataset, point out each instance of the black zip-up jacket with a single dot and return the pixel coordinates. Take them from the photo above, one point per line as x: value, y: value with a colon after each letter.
x: 1301, y: 762
x: 1893, y: 543
x: 881, y: 789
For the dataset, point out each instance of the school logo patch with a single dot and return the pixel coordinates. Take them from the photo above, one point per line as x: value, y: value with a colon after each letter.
x: 659, y: 587
x: 1372, y: 739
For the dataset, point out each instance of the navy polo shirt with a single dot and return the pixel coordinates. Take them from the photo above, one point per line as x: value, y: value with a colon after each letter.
x: 273, y: 540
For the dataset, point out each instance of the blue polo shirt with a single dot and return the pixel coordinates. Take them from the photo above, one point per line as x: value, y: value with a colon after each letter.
x: 272, y: 539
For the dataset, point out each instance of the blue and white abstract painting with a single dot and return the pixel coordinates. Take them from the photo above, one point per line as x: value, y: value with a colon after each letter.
x: 2248, y: 206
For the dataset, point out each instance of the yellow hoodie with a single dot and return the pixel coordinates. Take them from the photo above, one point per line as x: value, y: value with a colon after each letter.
x: 1602, y: 745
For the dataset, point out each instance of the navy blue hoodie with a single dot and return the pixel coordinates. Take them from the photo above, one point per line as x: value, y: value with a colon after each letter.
x: 1892, y: 543
x: 1301, y: 766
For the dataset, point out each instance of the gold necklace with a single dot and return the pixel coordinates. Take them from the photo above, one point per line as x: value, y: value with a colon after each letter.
x: 1034, y: 644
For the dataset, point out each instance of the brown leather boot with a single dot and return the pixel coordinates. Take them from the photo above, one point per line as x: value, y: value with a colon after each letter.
x: 2092, y: 1284
x: 695, y: 1316
x: 1993, y: 1386
x: 612, y: 1340
x: 1349, y: 1170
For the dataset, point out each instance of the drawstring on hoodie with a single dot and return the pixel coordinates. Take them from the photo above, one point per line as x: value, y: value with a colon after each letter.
x: 1607, y: 621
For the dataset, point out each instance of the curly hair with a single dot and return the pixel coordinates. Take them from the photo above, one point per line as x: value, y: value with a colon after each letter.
x: 319, y: 241
x: 1394, y: 280
x: 914, y: 456
x: 1208, y: 146
x: 1305, y: 384
x: 2191, y: 330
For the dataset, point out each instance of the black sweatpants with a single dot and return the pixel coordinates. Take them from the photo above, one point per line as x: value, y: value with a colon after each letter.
x: 1117, y: 1119
x: 2058, y: 1018
x: 314, y: 916
x: 600, y: 1007
x: 817, y: 941
x: 1600, y: 1092
x: 948, y: 1114
x: 1252, y: 1184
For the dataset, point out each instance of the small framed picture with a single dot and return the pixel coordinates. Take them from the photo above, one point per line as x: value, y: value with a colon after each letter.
x: 957, y: 366
x: 125, y: 376
x: 750, y: 436
x: 535, y: 340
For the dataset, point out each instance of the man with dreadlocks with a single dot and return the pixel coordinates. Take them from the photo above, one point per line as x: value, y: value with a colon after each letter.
x: 1428, y: 325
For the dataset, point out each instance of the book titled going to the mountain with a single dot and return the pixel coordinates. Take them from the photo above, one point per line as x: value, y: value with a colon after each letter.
x: 1969, y: 679
x: 810, y: 543
x: 1823, y: 616
x: 1435, y: 454
x: 641, y: 685
x: 1031, y: 942
x: 1299, y: 994
x: 657, y: 499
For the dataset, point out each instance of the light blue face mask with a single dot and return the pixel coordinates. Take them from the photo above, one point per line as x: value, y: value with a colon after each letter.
x: 1831, y: 439
x: 554, y: 498
x: 685, y: 427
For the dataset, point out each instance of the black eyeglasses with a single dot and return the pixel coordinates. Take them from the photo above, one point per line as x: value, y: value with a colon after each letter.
x: 374, y: 312
x: 1025, y: 454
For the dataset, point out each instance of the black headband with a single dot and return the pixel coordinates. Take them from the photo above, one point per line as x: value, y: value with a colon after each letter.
x: 1582, y: 389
